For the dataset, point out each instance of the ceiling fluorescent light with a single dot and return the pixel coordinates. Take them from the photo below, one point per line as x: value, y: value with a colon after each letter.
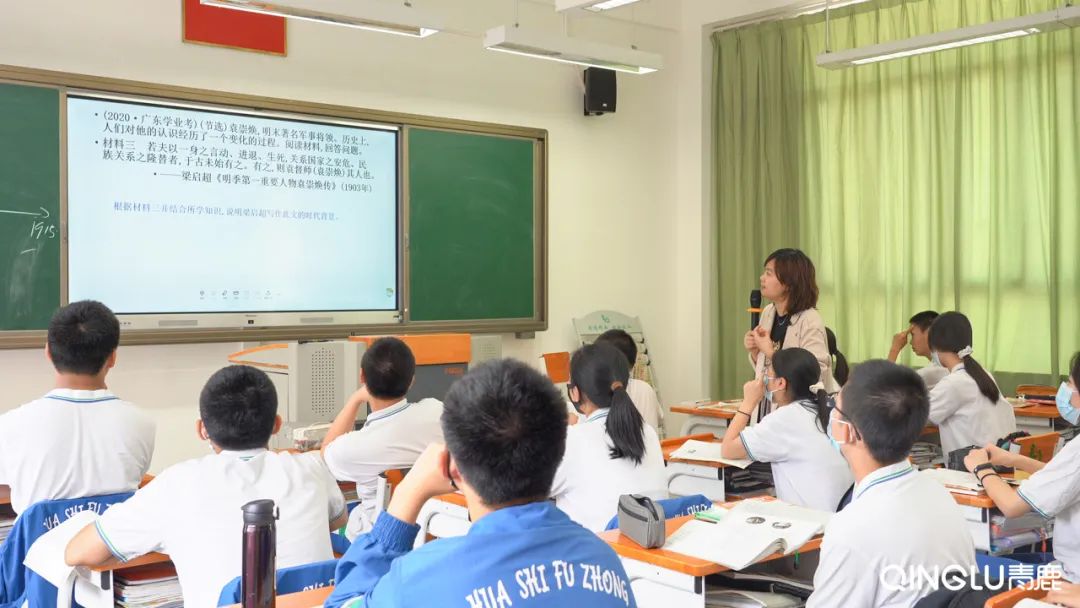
x: 555, y: 47
x: 397, y: 19
x: 1038, y: 23
x: 590, y: 5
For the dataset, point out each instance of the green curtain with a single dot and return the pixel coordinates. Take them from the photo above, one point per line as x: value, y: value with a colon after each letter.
x: 948, y: 181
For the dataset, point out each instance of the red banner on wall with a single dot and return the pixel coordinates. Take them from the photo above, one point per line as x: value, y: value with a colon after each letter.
x: 233, y: 29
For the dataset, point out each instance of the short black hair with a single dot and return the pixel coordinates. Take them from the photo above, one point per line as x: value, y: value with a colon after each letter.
x: 82, y: 336
x: 924, y: 319
x: 389, y: 367
x: 505, y: 427
x: 888, y: 404
x: 238, y: 406
x: 622, y: 341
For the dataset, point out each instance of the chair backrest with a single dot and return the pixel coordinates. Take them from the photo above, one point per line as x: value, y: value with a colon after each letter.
x: 674, y: 507
x: 17, y: 581
x: 384, y: 487
x: 557, y: 366
x: 1039, y: 447
x: 289, y: 580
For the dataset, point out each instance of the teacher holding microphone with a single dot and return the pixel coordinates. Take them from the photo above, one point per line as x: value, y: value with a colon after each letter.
x: 791, y: 319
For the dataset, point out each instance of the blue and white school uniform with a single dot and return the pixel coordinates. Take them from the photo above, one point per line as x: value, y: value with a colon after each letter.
x: 807, y: 470
x: 897, y: 521
x: 1054, y: 491
x: 589, y: 481
x: 964, y: 415
x: 530, y: 555
x: 192, y: 512
x: 73, y: 443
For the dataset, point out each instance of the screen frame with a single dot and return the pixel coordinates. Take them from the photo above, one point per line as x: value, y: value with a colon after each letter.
x: 243, y: 319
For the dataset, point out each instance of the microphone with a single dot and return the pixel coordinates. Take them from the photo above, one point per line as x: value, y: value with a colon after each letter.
x: 755, y: 308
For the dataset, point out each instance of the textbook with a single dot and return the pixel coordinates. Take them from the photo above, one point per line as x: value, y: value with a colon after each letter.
x: 708, y: 451
x: 747, y: 533
x: 958, y: 482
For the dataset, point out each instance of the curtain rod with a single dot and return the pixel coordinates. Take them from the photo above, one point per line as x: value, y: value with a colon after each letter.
x: 779, y: 14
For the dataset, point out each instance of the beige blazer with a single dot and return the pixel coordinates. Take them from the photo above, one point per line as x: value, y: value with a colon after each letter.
x: 805, y: 330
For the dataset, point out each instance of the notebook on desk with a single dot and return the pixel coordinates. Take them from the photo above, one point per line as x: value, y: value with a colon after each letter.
x: 708, y: 451
x: 747, y: 533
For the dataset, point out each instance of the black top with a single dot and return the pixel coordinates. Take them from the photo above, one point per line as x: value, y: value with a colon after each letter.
x: 779, y: 329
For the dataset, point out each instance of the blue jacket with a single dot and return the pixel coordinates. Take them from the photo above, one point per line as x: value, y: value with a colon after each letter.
x: 18, y: 583
x: 531, y: 555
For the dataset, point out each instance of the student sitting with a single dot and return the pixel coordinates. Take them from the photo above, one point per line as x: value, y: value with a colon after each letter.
x: 505, y: 427
x: 396, y: 431
x: 966, y: 404
x: 612, y: 451
x: 1053, y: 490
x: 917, y: 333
x: 79, y: 439
x: 806, y: 469
x: 897, y: 520
x: 641, y: 393
x: 192, y: 510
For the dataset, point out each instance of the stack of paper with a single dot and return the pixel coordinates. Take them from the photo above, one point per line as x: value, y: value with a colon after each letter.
x: 154, y: 586
x: 708, y: 451
x: 747, y: 533
x: 925, y: 455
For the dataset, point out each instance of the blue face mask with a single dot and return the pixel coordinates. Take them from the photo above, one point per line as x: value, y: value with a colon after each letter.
x: 768, y: 393
x: 829, y: 432
x: 934, y: 358
x: 1064, y: 404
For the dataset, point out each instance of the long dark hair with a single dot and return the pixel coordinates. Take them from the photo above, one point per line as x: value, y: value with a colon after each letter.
x: 951, y: 333
x: 840, y: 368
x: 601, y: 373
x: 801, y: 370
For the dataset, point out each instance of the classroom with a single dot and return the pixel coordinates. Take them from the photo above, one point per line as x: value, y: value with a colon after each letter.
x: 542, y: 303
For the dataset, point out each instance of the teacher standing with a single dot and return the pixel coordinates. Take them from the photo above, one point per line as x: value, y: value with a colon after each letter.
x: 791, y: 319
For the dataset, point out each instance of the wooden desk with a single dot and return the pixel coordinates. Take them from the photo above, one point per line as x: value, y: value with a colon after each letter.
x: 687, y: 477
x: 673, y: 579
x: 704, y: 418
x: 977, y: 510
x: 5, y: 495
x: 301, y: 599
x: 1010, y: 598
x: 96, y: 590
x: 1036, y: 419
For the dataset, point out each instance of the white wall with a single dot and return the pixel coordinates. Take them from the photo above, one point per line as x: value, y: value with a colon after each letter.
x: 614, y: 233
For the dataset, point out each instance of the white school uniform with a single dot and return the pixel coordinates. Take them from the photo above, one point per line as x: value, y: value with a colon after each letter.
x: 589, y: 482
x: 192, y: 513
x: 392, y: 438
x: 964, y: 415
x: 71, y: 444
x: 1054, y: 491
x: 807, y: 470
x: 932, y: 374
x: 897, y: 520
x: 644, y: 397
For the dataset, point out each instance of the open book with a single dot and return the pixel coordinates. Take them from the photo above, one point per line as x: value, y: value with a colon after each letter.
x: 747, y: 533
x: 733, y: 598
x: 708, y: 451
x: 1030, y: 603
x: 959, y: 482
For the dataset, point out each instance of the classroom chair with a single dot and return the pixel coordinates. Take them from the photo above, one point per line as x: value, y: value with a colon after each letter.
x: 557, y: 366
x: 17, y: 582
x: 388, y: 480
x: 289, y: 580
x: 674, y: 507
x: 1039, y: 447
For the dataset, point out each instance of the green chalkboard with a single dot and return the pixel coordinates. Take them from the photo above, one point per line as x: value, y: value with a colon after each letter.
x: 471, y: 226
x: 29, y: 206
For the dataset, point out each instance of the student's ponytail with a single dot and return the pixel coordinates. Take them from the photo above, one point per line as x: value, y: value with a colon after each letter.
x: 600, y: 373
x: 625, y: 426
x: 840, y: 368
x: 951, y: 333
x: 801, y: 371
